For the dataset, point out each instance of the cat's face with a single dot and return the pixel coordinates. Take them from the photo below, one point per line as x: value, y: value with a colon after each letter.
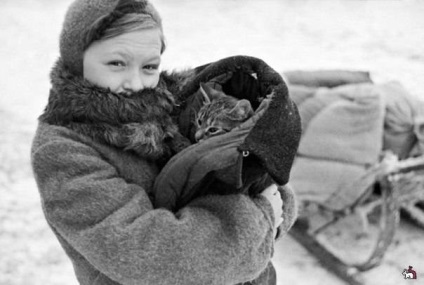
x: 220, y: 113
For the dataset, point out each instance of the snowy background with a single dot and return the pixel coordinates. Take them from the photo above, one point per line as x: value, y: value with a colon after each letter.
x: 385, y: 38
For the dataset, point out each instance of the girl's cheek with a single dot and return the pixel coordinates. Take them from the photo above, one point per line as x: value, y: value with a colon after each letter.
x: 151, y: 81
x: 155, y: 81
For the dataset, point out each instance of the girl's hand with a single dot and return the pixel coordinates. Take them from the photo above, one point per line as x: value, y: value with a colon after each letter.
x: 274, y: 197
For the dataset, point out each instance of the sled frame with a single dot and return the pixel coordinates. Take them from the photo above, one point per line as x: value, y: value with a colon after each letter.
x: 389, y: 221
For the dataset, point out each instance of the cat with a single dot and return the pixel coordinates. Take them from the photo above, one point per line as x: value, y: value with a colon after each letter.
x: 220, y: 113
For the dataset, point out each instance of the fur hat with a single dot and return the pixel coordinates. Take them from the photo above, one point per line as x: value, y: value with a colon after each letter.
x: 94, y: 17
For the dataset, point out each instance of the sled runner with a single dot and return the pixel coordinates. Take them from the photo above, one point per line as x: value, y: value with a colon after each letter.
x: 388, y: 201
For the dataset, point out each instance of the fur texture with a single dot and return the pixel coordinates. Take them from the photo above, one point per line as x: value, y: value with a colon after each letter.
x: 139, y: 122
x: 220, y: 113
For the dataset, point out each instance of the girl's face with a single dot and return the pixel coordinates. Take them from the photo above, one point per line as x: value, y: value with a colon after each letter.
x: 126, y: 63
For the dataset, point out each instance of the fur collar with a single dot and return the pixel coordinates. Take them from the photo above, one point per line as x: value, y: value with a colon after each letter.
x: 140, y: 123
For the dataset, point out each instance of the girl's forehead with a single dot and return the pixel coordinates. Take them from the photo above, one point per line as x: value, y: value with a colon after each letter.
x: 136, y: 42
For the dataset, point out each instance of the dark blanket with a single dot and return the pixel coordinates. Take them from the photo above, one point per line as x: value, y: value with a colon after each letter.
x: 264, y: 145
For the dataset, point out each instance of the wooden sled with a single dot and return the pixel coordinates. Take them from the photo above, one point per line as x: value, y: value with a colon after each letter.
x: 393, y: 191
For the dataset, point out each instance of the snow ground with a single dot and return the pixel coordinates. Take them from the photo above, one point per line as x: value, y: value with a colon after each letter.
x: 383, y: 37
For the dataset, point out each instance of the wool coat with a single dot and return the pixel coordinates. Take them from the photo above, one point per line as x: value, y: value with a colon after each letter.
x: 95, y: 176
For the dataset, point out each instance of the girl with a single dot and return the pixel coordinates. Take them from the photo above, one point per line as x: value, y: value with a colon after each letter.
x: 96, y: 154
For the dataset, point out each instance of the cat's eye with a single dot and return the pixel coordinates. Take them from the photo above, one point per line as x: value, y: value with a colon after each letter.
x: 199, y: 122
x: 213, y: 130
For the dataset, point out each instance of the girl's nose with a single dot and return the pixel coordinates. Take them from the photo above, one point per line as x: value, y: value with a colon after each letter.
x: 134, y: 82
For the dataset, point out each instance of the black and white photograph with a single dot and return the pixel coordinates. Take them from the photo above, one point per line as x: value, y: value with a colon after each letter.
x: 212, y: 142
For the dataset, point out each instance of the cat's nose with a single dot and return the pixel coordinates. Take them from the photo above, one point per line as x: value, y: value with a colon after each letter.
x: 198, y: 136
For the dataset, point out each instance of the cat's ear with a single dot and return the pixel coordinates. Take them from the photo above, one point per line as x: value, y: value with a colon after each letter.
x: 243, y: 109
x: 210, y: 93
x: 203, y: 88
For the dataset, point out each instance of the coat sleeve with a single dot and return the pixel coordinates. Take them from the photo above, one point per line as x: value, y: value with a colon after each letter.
x: 112, y: 224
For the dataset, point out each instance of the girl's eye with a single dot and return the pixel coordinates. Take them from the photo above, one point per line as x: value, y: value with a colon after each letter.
x: 151, y: 67
x: 117, y: 63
